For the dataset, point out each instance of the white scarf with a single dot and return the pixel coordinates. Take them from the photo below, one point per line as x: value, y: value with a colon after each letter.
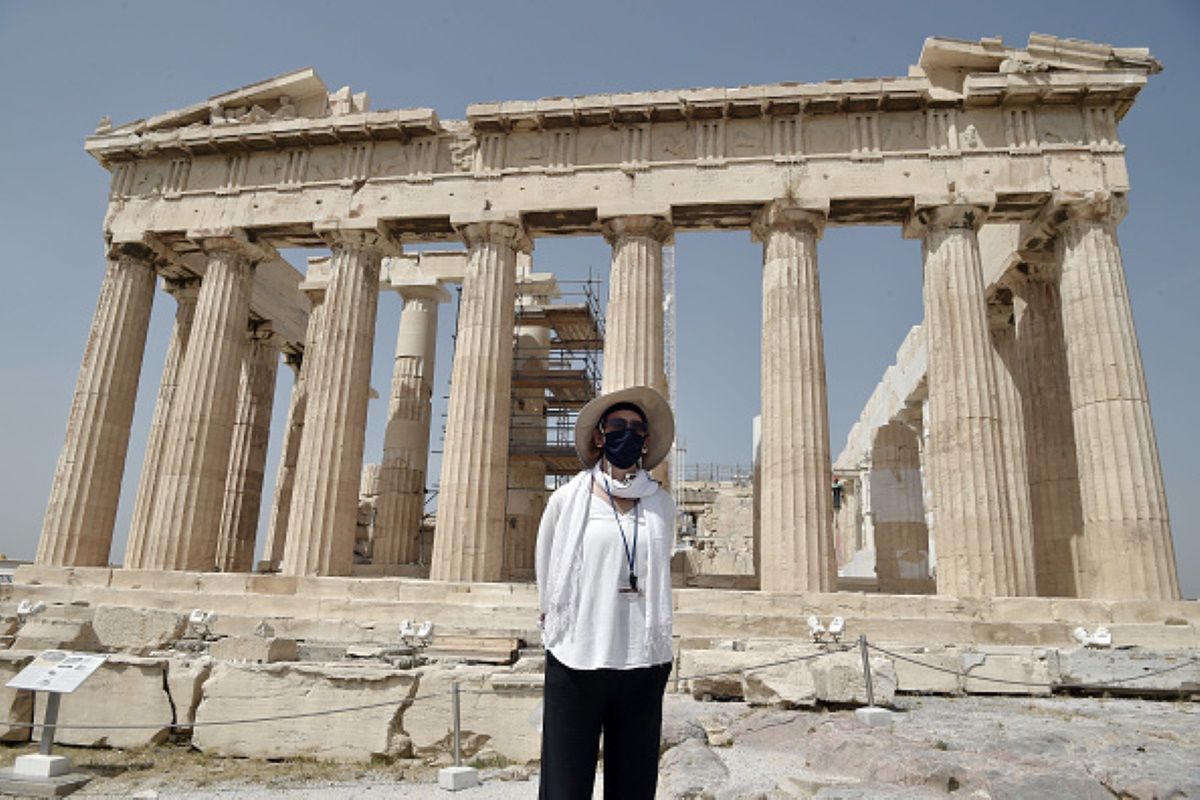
x: 566, y: 559
x: 633, y: 487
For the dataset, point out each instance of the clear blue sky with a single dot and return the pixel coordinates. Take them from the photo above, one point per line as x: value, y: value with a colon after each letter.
x: 66, y: 64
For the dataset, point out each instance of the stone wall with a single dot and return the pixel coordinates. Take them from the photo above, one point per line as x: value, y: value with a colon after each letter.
x: 722, y: 538
x: 368, y: 695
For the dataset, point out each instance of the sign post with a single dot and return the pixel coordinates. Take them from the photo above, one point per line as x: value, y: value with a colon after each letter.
x: 55, y: 672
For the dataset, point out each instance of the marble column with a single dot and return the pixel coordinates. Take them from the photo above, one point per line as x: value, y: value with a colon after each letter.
x: 401, y: 502
x: 633, y: 323
x: 285, y: 474
x: 901, y: 536
x: 187, y: 506
x: 324, y: 514
x: 797, y: 502
x: 1055, y: 506
x: 469, y: 540
x: 967, y: 471
x: 1002, y: 322
x: 248, y: 451
x: 78, y: 526
x: 1128, y: 553
x: 926, y: 471
x: 185, y: 294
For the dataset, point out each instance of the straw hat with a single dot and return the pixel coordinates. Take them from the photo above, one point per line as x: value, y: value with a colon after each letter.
x: 658, y: 416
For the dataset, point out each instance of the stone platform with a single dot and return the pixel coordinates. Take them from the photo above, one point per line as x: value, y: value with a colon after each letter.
x: 370, y: 610
x: 345, y: 651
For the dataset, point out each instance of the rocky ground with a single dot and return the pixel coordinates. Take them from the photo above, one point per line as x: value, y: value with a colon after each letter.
x: 971, y: 747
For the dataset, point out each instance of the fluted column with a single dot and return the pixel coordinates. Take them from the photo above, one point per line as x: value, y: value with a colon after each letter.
x: 469, y: 540
x: 1056, y: 511
x: 901, y: 536
x: 1001, y: 318
x: 187, y: 507
x: 401, y: 502
x: 796, y: 475
x: 967, y: 471
x: 78, y: 526
x: 185, y: 294
x: 324, y: 513
x: 633, y: 323
x: 1126, y: 529
x: 285, y: 474
x: 248, y: 451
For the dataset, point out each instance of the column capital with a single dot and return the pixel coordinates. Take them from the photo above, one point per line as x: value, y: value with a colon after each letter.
x: 1108, y: 208
x: 366, y: 234
x: 501, y: 227
x: 789, y: 215
x: 626, y: 226
x: 138, y: 251
x: 431, y: 290
x: 262, y: 331
x: 182, y: 288
x: 232, y: 240
x: 293, y: 358
x: 1000, y: 309
x: 316, y: 279
x: 144, y: 246
x: 931, y: 215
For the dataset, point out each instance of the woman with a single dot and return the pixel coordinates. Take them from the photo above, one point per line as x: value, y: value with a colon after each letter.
x: 604, y: 586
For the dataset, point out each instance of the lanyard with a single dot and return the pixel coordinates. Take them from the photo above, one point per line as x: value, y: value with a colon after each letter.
x: 630, y: 556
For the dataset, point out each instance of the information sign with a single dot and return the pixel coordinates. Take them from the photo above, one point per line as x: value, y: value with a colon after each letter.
x: 58, y: 671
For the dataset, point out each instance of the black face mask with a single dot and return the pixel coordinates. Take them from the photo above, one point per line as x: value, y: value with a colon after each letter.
x: 622, y: 449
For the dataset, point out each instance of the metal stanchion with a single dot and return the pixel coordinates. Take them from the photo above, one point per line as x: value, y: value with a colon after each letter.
x: 866, y: 657
x: 457, y: 777
x: 457, y: 725
x: 870, y: 714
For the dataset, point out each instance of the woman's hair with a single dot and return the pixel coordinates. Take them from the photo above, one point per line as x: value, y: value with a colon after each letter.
x: 622, y: 407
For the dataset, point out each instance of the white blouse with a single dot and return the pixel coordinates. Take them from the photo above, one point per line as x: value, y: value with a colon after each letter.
x: 609, y: 631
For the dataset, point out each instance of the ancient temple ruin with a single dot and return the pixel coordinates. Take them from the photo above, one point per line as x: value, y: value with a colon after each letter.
x: 1012, y: 447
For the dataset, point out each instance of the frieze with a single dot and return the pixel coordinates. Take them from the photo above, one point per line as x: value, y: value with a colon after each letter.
x: 710, y: 143
x: 290, y: 134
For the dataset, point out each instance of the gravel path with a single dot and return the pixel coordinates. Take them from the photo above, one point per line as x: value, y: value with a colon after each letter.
x: 971, y: 747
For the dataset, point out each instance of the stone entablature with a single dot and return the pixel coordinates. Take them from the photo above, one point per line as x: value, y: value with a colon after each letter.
x: 867, y: 147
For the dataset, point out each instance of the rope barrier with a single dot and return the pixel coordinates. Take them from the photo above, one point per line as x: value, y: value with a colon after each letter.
x: 219, y: 722
x: 518, y: 690
x: 1034, y: 684
x: 755, y: 668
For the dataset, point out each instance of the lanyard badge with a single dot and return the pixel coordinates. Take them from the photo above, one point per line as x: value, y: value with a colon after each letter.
x: 630, y: 553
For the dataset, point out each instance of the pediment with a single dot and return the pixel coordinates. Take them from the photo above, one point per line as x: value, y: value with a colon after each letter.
x: 1044, y: 53
x: 300, y: 93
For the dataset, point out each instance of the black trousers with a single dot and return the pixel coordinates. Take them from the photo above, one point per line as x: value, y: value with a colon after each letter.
x: 578, y: 703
